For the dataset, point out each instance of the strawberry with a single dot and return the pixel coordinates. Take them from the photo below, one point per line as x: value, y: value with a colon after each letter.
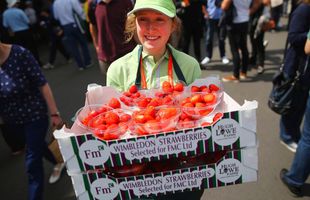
x: 111, y: 133
x: 179, y: 87
x: 125, y: 118
x: 213, y: 88
x: 152, y: 126
x: 143, y: 103
x: 205, y: 124
x: 97, y: 121
x: 209, y: 98
x: 139, y: 118
x: 195, y: 89
x: 217, y: 117
x: 133, y: 89
x: 114, y: 103
x: 127, y: 94
x: 166, y: 113
x: 203, y: 87
x: 196, y: 98
x: 205, y: 112
x: 111, y: 118
x: 167, y: 87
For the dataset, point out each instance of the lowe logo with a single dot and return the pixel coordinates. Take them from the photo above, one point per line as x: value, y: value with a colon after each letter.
x: 229, y: 170
x: 104, y: 189
x: 226, y: 132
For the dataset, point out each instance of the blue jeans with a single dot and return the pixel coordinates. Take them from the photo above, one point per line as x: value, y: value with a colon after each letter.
x: 300, y: 168
x: 73, y: 39
x: 211, y: 27
x: 36, y: 149
x: 290, y: 123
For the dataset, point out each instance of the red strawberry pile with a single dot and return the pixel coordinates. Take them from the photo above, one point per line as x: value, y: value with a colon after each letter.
x: 110, y: 125
x: 143, y: 99
x: 154, y: 111
x: 155, y: 120
x: 200, y: 101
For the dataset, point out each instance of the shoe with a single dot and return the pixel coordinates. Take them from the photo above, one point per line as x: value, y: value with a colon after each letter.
x: 18, y: 152
x: 48, y: 66
x: 266, y: 42
x: 292, y: 146
x: 205, y: 61
x: 81, y: 69
x: 57, y: 171
x: 243, y: 76
x: 230, y: 78
x: 225, y: 60
x: 89, y: 65
x: 295, y: 190
x: 260, y: 69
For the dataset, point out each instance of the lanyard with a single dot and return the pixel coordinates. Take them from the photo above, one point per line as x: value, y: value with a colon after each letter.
x: 141, y: 78
x: 142, y: 72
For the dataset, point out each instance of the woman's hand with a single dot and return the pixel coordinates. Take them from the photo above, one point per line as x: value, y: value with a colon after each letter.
x: 57, y: 121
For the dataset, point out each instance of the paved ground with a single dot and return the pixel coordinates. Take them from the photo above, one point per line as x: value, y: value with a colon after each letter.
x: 69, y: 86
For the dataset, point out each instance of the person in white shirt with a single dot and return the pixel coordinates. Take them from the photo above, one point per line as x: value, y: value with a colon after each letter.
x: 64, y: 11
x: 237, y: 35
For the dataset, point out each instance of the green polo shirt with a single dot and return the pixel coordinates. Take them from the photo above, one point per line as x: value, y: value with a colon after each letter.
x: 122, y: 72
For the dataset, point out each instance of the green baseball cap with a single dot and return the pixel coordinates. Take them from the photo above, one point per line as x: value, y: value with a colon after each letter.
x: 166, y: 7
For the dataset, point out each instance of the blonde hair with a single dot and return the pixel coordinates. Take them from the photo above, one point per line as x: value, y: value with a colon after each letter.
x: 131, y: 29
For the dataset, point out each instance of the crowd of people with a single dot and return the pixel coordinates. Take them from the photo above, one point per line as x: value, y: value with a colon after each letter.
x: 134, y: 41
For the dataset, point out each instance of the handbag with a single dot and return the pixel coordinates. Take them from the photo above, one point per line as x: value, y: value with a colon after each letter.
x: 54, y: 147
x: 284, y: 90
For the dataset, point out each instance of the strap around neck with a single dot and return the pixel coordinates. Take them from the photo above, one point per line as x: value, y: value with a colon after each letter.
x: 176, y: 68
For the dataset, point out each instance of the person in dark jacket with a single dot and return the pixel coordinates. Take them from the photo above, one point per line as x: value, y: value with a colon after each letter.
x: 295, y: 58
x: 192, y: 21
x: 300, y: 169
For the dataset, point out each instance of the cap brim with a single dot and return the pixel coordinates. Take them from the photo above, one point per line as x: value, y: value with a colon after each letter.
x: 156, y: 8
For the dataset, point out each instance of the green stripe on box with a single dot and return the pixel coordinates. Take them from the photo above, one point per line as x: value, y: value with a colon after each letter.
x: 128, y: 161
x: 201, y: 147
x: 213, y: 179
x: 226, y: 115
x: 239, y: 155
x: 204, y: 181
x: 235, y: 116
x: 109, y: 163
x: 127, y: 195
x: 229, y: 154
x: 210, y: 144
x: 118, y: 197
x: 118, y: 160
x: 87, y: 186
x: 76, y: 152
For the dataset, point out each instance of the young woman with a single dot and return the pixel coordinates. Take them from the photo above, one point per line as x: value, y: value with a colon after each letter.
x: 154, y: 60
x: 148, y: 65
x: 25, y: 99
